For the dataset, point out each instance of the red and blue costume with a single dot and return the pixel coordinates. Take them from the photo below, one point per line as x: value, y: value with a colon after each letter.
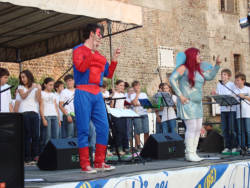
x: 89, y: 70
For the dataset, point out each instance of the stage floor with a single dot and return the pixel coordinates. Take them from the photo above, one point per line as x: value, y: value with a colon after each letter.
x: 62, y: 176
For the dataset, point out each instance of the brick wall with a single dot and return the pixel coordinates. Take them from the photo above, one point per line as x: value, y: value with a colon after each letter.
x: 178, y: 24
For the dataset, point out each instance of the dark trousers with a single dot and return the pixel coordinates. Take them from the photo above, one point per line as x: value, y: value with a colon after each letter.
x: 121, y: 137
x: 228, y: 121
x: 31, y: 135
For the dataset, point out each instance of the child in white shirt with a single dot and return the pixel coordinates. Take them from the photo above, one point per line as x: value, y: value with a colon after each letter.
x: 66, y: 105
x: 141, y: 124
x: 168, y: 115
x: 243, y: 118
x: 120, y: 124
x: 228, y: 113
x: 27, y: 102
x: 49, y: 112
x: 59, y: 87
x: 5, y: 94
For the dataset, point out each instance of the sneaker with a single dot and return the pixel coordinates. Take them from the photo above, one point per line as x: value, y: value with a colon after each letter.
x: 235, y: 151
x: 109, y: 153
x: 89, y: 170
x: 226, y: 151
x: 121, y: 152
x: 104, y: 167
x: 127, y: 152
x: 248, y: 150
x: 28, y: 163
x: 239, y: 149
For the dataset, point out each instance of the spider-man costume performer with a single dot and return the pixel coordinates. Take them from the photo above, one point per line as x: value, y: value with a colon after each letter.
x: 89, y: 70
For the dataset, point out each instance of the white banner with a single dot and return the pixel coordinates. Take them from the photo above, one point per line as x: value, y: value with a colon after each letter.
x: 236, y: 175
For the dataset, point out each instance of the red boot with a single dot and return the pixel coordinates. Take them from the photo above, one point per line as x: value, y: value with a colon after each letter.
x: 84, y: 161
x: 100, y: 153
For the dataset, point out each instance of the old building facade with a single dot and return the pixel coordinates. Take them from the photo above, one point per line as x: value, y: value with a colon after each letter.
x: 168, y: 27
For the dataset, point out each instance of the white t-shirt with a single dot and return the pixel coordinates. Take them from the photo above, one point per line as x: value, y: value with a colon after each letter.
x: 29, y: 103
x: 168, y: 113
x: 49, y: 99
x: 139, y: 109
x: 57, y: 102
x: 128, y: 98
x: 120, y: 102
x: 244, y: 106
x: 222, y: 90
x: 105, y: 94
x: 5, y: 98
x: 68, y: 95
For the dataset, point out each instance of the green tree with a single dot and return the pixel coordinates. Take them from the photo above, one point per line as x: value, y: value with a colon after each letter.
x: 13, y: 81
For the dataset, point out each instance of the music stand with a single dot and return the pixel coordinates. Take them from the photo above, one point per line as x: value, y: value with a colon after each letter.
x: 113, y: 136
x: 164, y: 99
x: 145, y: 103
x: 226, y: 100
x: 125, y: 113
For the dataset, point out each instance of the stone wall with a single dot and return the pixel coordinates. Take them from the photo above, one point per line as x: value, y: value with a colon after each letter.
x: 177, y: 24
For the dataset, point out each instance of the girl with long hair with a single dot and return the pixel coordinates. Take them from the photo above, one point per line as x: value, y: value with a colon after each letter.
x: 49, y: 112
x: 28, y: 99
x: 168, y: 119
x: 187, y: 82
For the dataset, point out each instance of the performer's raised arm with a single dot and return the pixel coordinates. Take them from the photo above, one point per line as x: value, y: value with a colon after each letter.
x: 110, y: 68
x: 210, y: 75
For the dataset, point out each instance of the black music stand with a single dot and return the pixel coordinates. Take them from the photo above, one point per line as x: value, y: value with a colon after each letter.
x: 226, y: 100
x: 164, y: 99
x: 125, y: 113
x: 112, y: 131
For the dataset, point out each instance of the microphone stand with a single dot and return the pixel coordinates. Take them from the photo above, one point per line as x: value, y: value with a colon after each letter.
x: 241, y: 122
x: 161, y: 83
x: 234, y: 92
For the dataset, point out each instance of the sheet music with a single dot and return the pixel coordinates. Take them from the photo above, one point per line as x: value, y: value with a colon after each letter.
x: 119, y: 113
x: 167, y: 99
x: 145, y: 103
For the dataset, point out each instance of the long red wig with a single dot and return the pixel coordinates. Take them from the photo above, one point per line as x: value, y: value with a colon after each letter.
x: 192, y: 65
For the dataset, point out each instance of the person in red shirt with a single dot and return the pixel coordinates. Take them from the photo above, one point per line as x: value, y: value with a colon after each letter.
x: 89, y: 69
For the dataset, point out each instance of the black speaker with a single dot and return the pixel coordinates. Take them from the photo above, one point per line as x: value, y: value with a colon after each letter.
x: 163, y: 146
x: 11, y: 147
x: 181, y: 128
x: 213, y: 143
x: 59, y: 154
